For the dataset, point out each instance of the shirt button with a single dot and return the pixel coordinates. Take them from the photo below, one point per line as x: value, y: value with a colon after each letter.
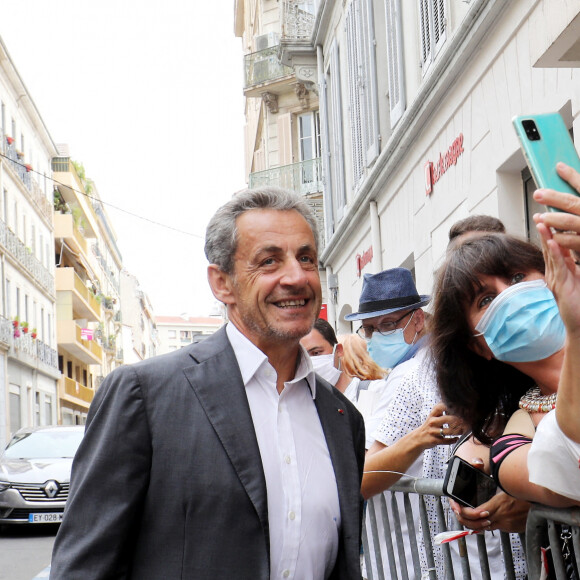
x: 292, y: 515
x: 287, y: 459
x: 286, y: 573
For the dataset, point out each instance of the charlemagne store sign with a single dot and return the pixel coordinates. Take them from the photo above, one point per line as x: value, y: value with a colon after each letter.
x: 434, y: 171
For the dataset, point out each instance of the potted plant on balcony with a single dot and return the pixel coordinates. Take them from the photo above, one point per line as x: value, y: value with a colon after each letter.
x: 9, y: 140
x: 25, y: 327
x: 15, y: 322
x: 34, y: 334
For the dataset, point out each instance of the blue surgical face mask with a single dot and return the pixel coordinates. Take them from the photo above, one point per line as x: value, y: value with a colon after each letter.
x: 523, y: 323
x: 388, y: 350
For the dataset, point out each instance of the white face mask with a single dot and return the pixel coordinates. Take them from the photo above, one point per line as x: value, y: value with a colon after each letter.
x: 324, y: 366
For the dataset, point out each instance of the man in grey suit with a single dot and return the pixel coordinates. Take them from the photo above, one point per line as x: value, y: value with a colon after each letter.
x: 227, y: 458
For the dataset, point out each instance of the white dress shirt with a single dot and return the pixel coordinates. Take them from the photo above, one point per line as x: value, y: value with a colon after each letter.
x: 303, y: 507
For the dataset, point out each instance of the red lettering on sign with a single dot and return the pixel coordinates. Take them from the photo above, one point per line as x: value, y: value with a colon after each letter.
x: 362, y: 261
x: 438, y: 169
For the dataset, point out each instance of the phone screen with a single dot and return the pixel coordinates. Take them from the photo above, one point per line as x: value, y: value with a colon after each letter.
x: 468, y: 485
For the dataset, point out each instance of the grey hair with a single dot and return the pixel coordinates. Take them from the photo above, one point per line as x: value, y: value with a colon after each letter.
x: 221, y: 236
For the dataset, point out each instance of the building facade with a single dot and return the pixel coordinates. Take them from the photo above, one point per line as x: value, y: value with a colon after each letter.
x: 139, y: 332
x: 28, y: 361
x: 415, y: 105
x: 175, y: 332
x: 282, y: 133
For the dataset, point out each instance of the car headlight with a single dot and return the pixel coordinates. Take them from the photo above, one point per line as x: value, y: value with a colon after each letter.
x: 4, y: 485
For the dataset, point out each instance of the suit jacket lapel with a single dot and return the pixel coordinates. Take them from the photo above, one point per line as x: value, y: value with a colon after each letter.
x: 217, y: 382
x: 334, y: 418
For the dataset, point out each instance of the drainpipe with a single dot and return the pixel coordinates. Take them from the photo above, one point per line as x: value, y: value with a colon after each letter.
x: 332, y: 293
x: 376, y: 238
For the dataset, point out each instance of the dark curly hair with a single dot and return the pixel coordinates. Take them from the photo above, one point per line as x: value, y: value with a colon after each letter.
x: 484, y: 393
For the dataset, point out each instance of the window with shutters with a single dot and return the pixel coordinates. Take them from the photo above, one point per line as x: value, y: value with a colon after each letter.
x: 432, y: 24
x: 362, y: 83
x: 395, y: 61
x: 335, y: 192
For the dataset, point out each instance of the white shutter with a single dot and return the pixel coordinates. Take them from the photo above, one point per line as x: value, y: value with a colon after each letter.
x: 284, y: 139
x: 438, y: 36
x: 369, y: 81
x: 395, y: 61
x: 354, y: 82
x: 425, y: 33
x: 337, y: 152
x: 259, y: 160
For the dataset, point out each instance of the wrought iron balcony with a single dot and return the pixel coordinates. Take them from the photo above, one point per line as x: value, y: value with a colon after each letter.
x: 25, y: 343
x: 25, y: 173
x: 304, y: 177
x: 264, y: 66
x: 10, y: 243
x: 298, y: 17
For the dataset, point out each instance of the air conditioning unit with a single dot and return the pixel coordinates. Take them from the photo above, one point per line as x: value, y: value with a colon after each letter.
x: 264, y: 41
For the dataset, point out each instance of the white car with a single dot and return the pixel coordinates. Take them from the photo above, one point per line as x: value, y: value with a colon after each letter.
x: 35, y: 474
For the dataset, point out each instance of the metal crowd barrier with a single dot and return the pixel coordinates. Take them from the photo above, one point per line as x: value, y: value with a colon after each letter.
x: 383, y: 561
x: 543, y: 529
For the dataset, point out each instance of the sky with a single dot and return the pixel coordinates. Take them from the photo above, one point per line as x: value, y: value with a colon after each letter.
x: 149, y: 98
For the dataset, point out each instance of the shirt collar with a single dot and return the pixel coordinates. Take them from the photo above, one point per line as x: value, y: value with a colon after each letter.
x: 251, y: 359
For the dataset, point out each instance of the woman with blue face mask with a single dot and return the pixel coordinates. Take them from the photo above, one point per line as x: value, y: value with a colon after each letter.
x: 498, y: 345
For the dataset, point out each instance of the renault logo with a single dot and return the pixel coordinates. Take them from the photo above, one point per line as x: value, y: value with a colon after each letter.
x: 51, y: 488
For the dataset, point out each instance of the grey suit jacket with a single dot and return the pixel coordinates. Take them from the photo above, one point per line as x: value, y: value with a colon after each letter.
x: 168, y: 481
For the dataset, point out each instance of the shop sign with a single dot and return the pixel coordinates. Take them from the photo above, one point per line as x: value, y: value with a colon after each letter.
x: 435, y: 171
x: 362, y: 261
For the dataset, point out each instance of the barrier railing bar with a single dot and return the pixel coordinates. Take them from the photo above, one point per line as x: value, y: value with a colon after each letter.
x: 399, y: 538
x: 427, y: 538
x: 483, y: 559
x: 506, y: 550
x: 367, y: 550
x: 412, y: 534
x: 376, y: 545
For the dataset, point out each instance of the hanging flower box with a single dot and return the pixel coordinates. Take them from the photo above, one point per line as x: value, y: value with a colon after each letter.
x: 25, y: 327
x: 34, y: 334
x: 20, y: 154
x: 28, y: 167
x: 15, y: 322
x: 16, y: 333
x: 9, y: 140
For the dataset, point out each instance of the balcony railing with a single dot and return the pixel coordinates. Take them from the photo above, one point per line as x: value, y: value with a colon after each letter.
x: 20, y: 341
x: 264, y: 66
x: 304, y: 177
x: 74, y: 389
x: 298, y: 17
x: 10, y: 242
x: 17, y: 164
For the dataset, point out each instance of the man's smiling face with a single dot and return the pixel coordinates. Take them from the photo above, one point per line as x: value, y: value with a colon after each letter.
x: 275, y: 284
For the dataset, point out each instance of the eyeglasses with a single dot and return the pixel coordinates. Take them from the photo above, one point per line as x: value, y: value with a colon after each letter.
x: 384, y: 328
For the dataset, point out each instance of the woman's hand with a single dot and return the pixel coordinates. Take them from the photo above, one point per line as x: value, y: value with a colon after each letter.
x: 439, y: 428
x: 562, y: 271
x: 565, y: 222
x: 501, y: 512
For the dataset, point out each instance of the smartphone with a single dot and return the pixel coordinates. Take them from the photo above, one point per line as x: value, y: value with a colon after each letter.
x: 466, y: 484
x: 545, y: 140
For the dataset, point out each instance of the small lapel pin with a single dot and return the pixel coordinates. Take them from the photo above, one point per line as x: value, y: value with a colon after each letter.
x: 341, y: 411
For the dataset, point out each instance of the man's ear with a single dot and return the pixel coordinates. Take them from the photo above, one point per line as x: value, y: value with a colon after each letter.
x: 221, y: 284
x: 419, y: 320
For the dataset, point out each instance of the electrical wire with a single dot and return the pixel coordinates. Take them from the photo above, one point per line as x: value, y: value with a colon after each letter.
x: 106, y: 203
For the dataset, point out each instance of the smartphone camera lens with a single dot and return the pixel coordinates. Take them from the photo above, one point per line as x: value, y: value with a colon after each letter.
x: 531, y: 130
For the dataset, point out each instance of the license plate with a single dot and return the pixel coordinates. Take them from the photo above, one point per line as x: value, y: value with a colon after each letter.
x: 45, y: 518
